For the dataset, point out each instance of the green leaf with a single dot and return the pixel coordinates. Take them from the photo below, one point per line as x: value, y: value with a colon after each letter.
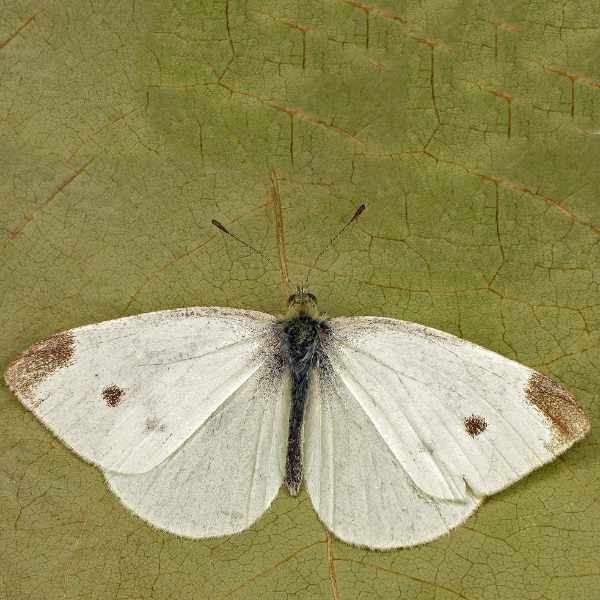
x: 470, y: 130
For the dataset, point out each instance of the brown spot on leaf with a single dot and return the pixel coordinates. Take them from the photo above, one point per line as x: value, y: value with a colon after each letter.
x: 37, y: 363
x: 474, y: 425
x: 568, y: 420
x: 112, y: 395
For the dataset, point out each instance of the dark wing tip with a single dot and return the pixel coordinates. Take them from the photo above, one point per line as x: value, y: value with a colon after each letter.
x: 568, y: 420
x: 38, y: 362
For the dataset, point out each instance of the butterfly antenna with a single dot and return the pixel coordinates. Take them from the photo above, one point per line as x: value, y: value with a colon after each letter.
x: 359, y: 211
x: 224, y: 229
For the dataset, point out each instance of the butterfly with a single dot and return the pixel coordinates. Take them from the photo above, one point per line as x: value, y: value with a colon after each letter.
x: 197, y: 417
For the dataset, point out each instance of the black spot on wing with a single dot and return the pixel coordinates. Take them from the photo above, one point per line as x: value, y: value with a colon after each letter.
x: 112, y: 395
x: 475, y: 425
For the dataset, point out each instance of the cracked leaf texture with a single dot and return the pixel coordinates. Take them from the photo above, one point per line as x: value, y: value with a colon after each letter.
x: 470, y: 130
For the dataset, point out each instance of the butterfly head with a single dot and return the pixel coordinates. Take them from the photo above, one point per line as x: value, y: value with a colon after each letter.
x: 302, y: 302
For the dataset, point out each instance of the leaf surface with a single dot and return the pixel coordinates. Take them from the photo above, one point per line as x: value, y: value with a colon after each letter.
x: 470, y: 130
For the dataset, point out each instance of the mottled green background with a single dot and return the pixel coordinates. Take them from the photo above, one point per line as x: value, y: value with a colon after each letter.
x: 472, y: 132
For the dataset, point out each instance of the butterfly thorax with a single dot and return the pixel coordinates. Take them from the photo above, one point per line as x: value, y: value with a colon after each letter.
x: 301, y: 344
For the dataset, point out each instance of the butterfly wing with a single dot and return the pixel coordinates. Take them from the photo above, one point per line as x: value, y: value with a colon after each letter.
x: 125, y: 394
x: 356, y: 484
x: 408, y: 427
x: 226, y: 474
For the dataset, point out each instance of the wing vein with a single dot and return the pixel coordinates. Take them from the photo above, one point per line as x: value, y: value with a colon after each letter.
x: 439, y: 467
x: 330, y: 443
x: 255, y: 462
x: 481, y: 397
x: 216, y: 410
x: 210, y: 353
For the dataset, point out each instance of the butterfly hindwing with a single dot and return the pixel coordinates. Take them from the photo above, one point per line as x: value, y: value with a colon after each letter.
x: 357, y: 486
x: 125, y: 394
x: 227, y: 473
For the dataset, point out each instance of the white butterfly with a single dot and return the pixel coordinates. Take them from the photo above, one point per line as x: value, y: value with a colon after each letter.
x: 197, y: 416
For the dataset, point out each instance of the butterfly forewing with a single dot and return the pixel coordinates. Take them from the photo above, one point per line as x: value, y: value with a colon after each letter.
x: 125, y: 394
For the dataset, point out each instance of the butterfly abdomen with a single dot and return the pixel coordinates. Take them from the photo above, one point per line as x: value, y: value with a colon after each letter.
x: 301, y: 345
